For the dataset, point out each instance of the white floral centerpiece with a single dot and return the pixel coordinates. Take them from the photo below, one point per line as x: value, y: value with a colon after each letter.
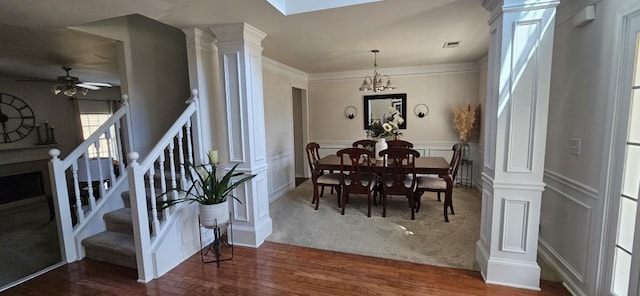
x: 387, y: 127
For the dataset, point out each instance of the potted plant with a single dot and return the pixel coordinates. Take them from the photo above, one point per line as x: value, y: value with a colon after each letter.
x: 209, y: 191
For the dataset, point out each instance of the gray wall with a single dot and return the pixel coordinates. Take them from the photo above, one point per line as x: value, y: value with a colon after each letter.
x: 572, y: 214
x: 154, y: 73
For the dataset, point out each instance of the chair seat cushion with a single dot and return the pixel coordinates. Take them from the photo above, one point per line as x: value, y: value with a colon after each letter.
x: 407, y: 182
x: 432, y: 183
x: 329, y: 179
x: 369, y: 180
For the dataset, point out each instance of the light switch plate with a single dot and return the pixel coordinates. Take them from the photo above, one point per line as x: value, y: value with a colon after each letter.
x: 575, y: 146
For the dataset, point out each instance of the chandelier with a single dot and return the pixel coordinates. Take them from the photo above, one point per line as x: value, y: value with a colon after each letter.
x: 376, y: 82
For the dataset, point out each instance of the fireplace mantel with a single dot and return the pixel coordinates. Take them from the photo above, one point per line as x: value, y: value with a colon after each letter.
x: 24, y: 154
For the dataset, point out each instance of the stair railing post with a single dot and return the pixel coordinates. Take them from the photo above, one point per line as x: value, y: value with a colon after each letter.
x: 140, y: 219
x: 129, y: 128
x: 62, y: 207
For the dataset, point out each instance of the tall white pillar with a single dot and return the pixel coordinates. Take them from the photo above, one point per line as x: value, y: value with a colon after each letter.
x: 519, y: 66
x: 240, y: 61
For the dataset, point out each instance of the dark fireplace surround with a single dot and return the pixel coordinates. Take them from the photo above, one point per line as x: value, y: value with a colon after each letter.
x: 23, y: 180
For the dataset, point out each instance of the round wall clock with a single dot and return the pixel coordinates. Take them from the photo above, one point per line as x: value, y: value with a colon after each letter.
x: 16, y: 118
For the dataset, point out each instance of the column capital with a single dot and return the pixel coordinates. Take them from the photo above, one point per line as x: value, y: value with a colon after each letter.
x: 238, y: 32
x: 198, y: 36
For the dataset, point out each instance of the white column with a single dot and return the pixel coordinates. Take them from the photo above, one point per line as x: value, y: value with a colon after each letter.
x: 519, y: 66
x: 240, y: 60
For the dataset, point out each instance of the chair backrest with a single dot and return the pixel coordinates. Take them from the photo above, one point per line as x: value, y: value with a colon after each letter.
x: 455, y: 160
x: 399, y: 144
x: 313, y: 155
x: 366, y: 144
x: 356, y: 164
x: 398, y: 168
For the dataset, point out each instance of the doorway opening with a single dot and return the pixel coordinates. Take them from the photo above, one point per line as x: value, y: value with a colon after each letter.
x: 300, y: 137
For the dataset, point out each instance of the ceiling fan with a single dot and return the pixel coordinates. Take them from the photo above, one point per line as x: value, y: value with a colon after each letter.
x: 70, y: 85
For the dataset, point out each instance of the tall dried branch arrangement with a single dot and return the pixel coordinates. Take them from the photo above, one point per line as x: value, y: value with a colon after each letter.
x: 463, y: 120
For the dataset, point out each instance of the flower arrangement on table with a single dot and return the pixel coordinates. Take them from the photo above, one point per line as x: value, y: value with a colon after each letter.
x: 386, y: 127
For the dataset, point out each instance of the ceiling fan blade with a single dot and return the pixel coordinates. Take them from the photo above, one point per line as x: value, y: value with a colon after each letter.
x: 103, y: 84
x: 87, y: 86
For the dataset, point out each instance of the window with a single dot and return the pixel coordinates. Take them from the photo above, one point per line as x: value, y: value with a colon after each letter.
x: 92, y: 115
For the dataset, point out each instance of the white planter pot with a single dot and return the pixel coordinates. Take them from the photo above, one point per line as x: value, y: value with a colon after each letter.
x: 212, y: 215
x: 380, y: 145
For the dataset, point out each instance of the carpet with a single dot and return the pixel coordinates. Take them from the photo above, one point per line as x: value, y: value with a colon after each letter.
x: 426, y: 240
x: 28, y: 240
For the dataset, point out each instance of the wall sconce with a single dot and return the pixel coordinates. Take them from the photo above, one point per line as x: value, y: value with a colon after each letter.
x: 421, y: 110
x: 350, y: 112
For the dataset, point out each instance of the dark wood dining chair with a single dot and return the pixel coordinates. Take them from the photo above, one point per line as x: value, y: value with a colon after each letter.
x: 318, y: 177
x: 366, y: 144
x: 399, y: 176
x: 399, y: 144
x: 356, y: 175
x: 439, y: 185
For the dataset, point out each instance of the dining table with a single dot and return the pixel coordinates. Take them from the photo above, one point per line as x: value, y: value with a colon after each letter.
x: 423, y: 165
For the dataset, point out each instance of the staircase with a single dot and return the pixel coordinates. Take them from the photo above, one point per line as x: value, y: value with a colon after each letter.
x: 125, y: 227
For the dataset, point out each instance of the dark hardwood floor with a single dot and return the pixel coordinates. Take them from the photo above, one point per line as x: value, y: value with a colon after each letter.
x: 274, y: 269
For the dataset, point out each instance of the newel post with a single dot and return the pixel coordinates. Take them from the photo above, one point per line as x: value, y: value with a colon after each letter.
x: 141, y: 233
x: 62, y: 207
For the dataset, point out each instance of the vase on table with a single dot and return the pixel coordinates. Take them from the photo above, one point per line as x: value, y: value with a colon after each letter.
x: 380, y: 145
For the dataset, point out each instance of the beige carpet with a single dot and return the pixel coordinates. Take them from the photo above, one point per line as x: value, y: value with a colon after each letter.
x: 427, y: 239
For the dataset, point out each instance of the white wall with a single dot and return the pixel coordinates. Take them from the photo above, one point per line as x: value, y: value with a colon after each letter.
x: 278, y: 80
x: 440, y: 90
x: 153, y: 71
x: 572, y: 211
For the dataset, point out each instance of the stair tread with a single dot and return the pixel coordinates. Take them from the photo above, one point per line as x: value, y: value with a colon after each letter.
x: 119, y: 215
x: 111, y: 241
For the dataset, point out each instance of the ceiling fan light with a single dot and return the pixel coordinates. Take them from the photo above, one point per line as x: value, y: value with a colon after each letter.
x: 84, y: 91
x: 56, y: 90
x: 70, y: 92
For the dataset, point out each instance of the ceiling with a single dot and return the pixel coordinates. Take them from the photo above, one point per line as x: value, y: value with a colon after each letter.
x: 407, y: 33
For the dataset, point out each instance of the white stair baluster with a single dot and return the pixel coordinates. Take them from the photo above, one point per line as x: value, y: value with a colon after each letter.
x: 183, y: 179
x: 112, y: 175
x: 120, y: 151
x: 92, y: 199
x: 100, y: 176
x: 76, y: 190
x: 154, y: 210
x: 189, y: 144
x: 163, y: 184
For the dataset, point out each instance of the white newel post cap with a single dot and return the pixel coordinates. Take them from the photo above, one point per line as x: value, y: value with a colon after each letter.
x: 133, y: 157
x: 54, y: 153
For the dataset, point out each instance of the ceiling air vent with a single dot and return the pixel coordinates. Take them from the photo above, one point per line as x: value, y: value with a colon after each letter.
x: 451, y: 44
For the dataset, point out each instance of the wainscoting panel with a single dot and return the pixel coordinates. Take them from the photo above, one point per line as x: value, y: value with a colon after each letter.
x: 566, y: 234
x: 281, y: 172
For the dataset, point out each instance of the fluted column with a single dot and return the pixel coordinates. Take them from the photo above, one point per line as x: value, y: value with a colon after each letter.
x: 519, y: 66
x: 240, y: 62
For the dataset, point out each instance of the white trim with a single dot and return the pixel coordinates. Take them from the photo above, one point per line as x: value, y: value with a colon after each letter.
x: 562, y: 268
x: 398, y: 71
x: 279, y: 67
x: 569, y: 184
x: 32, y: 276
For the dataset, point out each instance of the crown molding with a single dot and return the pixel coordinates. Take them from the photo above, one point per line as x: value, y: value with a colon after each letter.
x: 398, y: 72
x: 283, y: 68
